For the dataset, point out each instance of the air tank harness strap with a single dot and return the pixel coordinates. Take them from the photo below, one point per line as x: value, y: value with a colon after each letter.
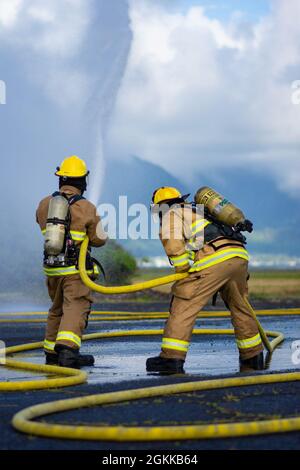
x: 224, y: 245
x: 71, y: 200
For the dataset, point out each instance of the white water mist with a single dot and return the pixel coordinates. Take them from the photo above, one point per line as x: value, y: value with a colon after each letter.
x: 114, y: 51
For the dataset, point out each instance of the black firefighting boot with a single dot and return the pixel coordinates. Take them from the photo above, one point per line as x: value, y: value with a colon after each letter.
x: 51, y: 359
x: 165, y: 365
x: 254, y: 363
x: 69, y: 357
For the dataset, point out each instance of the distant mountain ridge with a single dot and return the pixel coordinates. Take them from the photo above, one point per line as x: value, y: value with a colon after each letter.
x: 275, y: 215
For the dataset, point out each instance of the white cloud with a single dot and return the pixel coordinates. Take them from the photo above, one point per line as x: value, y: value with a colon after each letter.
x: 53, y: 30
x: 200, y: 94
x: 56, y: 27
x: 9, y: 10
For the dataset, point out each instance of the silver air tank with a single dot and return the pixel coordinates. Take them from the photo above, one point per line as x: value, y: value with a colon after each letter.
x: 55, y: 228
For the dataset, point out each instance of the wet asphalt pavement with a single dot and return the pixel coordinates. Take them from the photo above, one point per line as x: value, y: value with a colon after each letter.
x: 120, y: 365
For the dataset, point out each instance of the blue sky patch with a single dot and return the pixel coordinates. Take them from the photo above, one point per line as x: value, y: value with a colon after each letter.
x: 223, y: 9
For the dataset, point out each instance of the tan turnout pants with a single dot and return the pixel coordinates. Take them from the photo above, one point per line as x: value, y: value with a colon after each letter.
x: 191, y: 294
x: 68, y: 315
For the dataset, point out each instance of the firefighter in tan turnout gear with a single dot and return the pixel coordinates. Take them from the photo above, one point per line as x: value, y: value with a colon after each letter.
x: 65, y: 218
x: 214, y: 254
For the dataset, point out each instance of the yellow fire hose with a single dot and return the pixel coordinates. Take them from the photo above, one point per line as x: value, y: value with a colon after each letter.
x: 160, y: 315
x: 23, y: 420
x: 106, y: 316
x: 109, y: 290
x: 142, y: 286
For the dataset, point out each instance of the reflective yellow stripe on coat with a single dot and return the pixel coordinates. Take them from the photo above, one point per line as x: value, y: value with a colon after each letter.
x: 67, y: 271
x: 180, y: 260
x: 196, y: 241
x: 219, y: 257
x: 198, y: 226
x: 63, y: 271
x: 77, y: 236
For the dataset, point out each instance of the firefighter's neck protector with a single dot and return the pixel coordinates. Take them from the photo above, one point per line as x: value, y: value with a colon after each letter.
x: 79, y: 183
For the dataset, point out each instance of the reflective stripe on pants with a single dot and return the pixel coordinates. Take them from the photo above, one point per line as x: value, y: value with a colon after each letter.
x: 175, y: 344
x: 71, y: 305
x: 191, y: 294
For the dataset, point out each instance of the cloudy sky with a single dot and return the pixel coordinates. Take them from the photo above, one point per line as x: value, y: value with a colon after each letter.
x: 194, y: 86
x: 191, y: 85
x: 208, y: 84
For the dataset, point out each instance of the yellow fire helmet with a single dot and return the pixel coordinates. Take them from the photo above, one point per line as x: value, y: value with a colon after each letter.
x: 72, y: 167
x: 166, y: 194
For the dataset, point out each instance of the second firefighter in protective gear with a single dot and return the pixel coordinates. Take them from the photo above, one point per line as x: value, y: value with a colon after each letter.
x: 65, y: 218
x: 215, y: 257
